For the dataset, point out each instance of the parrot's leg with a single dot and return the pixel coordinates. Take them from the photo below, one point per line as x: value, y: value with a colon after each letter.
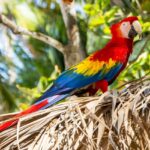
x: 102, y: 85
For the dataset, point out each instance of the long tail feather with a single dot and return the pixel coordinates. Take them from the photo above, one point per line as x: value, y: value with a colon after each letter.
x: 55, y: 99
x: 37, y: 106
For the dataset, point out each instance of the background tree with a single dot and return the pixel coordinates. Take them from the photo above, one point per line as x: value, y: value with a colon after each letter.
x: 62, y: 35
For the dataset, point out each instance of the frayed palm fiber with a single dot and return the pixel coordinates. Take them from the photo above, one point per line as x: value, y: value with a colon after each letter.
x: 114, y: 120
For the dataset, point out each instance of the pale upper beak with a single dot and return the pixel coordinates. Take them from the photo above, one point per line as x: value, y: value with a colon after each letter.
x: 135, y: 29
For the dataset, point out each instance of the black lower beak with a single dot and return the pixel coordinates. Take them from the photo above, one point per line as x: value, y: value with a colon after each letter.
x: 132, y: 32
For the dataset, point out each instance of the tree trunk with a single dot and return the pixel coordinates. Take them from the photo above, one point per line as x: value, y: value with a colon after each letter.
x: 74, y: 51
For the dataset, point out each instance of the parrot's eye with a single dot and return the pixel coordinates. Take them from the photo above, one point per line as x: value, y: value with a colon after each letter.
x: 125, y: 24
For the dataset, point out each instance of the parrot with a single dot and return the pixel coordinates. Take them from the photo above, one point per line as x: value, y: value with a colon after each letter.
x: 100, y: 68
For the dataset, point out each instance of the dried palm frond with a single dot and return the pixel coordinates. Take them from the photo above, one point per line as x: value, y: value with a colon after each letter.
x: 114, y: 120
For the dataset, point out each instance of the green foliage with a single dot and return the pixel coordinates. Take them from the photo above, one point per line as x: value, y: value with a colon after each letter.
x: 28, y: 66
x: 7, y: 96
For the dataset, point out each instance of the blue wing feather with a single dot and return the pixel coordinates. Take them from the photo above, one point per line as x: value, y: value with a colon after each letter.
x: 69, y: 80
x: 111, y: 74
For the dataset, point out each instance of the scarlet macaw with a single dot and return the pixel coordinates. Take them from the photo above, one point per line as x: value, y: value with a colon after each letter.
x: 102, y: 68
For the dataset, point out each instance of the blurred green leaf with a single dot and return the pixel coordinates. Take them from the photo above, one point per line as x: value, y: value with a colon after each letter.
x: 137, y: 49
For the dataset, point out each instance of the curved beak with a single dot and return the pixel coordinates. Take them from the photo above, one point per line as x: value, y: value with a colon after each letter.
x: 136, y: 29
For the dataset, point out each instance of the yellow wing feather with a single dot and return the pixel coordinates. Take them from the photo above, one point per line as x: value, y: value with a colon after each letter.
x: 90, y: 67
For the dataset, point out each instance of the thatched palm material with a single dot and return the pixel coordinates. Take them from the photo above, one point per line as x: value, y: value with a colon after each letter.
x: 114, y: 120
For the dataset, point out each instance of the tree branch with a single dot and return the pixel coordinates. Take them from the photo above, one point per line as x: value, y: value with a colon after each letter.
x: 74, y: 49
x: 40, y: 36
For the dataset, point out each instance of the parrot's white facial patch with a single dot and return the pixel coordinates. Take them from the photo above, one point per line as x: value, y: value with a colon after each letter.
x: 125, y: 28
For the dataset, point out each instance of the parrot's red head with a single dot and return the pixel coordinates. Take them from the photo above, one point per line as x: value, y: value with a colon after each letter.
x: 126, y: 28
